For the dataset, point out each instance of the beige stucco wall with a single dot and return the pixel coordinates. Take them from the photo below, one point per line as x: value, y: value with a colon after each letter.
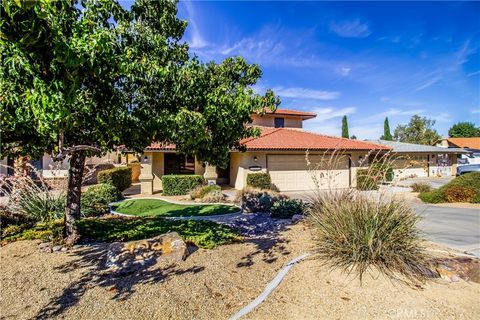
x: 339, y: 175
x: 268, y: 120
x: 157, y: 170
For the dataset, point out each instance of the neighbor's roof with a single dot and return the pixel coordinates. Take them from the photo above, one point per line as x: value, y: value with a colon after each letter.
x: 300, y: 140
x: 160, y: 146
x: 471, y: 143
x: 289, y: 112
x: 413, y: 148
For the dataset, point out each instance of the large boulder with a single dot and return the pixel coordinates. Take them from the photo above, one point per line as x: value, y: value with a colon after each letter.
x: 134, y: 255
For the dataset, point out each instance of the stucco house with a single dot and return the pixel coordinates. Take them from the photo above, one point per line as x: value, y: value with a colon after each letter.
x: 466, y: 143
x: 280, y: 150
x: 416, y: 160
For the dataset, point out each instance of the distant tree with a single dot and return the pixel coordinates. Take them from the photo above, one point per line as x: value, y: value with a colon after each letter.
x: 344, y: 127
x: 419, y: 130
x: 464, y: 130
x: 353, y: 137
x: 386, y: 131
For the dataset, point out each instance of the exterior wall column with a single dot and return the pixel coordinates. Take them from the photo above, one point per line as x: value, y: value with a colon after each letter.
x: 146, y: 175
x: 210, y: 173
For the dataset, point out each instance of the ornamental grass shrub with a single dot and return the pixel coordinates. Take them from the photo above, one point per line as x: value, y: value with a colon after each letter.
x: 201, y: 191
x: 421, y: 187
x: 357, y: 233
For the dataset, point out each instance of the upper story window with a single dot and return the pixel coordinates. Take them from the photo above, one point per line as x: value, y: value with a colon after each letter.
x: 279, y: 122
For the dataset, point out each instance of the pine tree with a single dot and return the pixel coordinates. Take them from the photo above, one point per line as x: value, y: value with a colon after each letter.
x: 386, y: 131
x: 345, y: 127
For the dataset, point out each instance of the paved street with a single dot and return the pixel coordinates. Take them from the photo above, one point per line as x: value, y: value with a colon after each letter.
x: 458, y: 228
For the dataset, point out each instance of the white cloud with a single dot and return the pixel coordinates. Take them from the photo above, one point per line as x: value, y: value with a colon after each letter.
x: 328, y: 113
x: 429, y: 83
x: 304, y: 93
x: 350, y: 29
x: 328, y: 120
x: 343, y: 71
x: 196, y: 39
x: 476, y: 111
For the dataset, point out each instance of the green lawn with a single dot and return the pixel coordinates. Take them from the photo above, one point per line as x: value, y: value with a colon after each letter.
x: 205, y: 234
x: 157, y: 207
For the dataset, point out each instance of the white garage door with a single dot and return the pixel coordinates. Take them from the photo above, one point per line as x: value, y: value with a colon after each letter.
x: 290, y: 172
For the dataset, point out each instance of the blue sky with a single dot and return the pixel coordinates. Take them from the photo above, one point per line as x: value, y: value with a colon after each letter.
x: 365, y: 60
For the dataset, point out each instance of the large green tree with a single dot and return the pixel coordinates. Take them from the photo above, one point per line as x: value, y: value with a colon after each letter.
x: 345, y: 127
x: 419, y: 130
x: 79, y: 79
x: 387, y: 135
x: 464, y: 130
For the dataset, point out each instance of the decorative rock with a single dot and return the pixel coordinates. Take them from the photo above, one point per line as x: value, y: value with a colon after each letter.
x: 296, y: 218
x: 64, y: 249
x: 56, y: 248
x: 43, y: 245
x: 131, y: 256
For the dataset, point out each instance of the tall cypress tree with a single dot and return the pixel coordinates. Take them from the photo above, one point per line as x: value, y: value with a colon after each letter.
x: 386, y: 131
x: 345, y: 127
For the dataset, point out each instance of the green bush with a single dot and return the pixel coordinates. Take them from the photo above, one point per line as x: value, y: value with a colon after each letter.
x: 255, y: 200
x: 260, y: 180
x: 433, y: 196
x: 468, y: 183
x: 175, y: 185
x: 286, y: 208
x: 95, y: 199
x: 421, y: 187
x: 366, y: 180
x: 356, y: 233
x: 120, y: 177
x: 50, y: 231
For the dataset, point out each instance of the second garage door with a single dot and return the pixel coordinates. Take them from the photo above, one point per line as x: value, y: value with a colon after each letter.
x: 290, y: 172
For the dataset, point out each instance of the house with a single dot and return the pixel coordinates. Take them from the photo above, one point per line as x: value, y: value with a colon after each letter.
x: 465, y: 143
x: 416, y: 160
x: 470, y: 144
x: 280, y: 150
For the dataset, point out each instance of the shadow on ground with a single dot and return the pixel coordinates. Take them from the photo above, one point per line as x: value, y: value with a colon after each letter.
x: 121, y: 286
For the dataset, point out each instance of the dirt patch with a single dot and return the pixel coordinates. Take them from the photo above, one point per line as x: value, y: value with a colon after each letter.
x: 214, y: 284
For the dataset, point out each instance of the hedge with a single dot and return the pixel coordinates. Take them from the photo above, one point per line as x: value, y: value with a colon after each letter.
x: 120, y: 177
x: 465, y: 188
x: 95, y: 200
x: 175, y: 185
x: 259, y: 180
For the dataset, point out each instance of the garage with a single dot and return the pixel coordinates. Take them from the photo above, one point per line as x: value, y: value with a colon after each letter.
x: 291, y: 173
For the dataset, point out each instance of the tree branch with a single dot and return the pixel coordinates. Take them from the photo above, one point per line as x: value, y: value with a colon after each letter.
x: 68, y: 151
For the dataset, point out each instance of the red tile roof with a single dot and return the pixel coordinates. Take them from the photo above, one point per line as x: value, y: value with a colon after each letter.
x: 291, y: 139
x: 472, y: 143
x: 295, y: 139
x: 160, y: 146
x: 289, y: 112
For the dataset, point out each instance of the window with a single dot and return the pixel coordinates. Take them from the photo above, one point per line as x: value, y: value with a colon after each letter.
x: 179, y: 164
x: 279, y: 122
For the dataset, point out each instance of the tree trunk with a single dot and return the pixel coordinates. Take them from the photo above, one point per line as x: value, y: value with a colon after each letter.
x: 72, y: 210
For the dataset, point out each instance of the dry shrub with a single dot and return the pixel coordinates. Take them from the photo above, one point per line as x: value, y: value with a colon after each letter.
x: 421, y: 187
x: 459, y: 194
x: 356, y: 233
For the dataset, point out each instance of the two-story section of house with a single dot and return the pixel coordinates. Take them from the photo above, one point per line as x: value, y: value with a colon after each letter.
x: 297, y: 160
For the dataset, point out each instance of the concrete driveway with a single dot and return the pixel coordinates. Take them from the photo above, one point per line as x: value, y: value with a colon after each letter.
x: 458, y: 228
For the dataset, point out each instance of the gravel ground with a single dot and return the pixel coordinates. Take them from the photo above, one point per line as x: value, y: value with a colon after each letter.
x: 214, y: 284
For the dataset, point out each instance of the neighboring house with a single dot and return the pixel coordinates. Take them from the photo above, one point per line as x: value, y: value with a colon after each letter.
x: 280, y: 150
x: 416, y: 160
x: 470, y: 144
